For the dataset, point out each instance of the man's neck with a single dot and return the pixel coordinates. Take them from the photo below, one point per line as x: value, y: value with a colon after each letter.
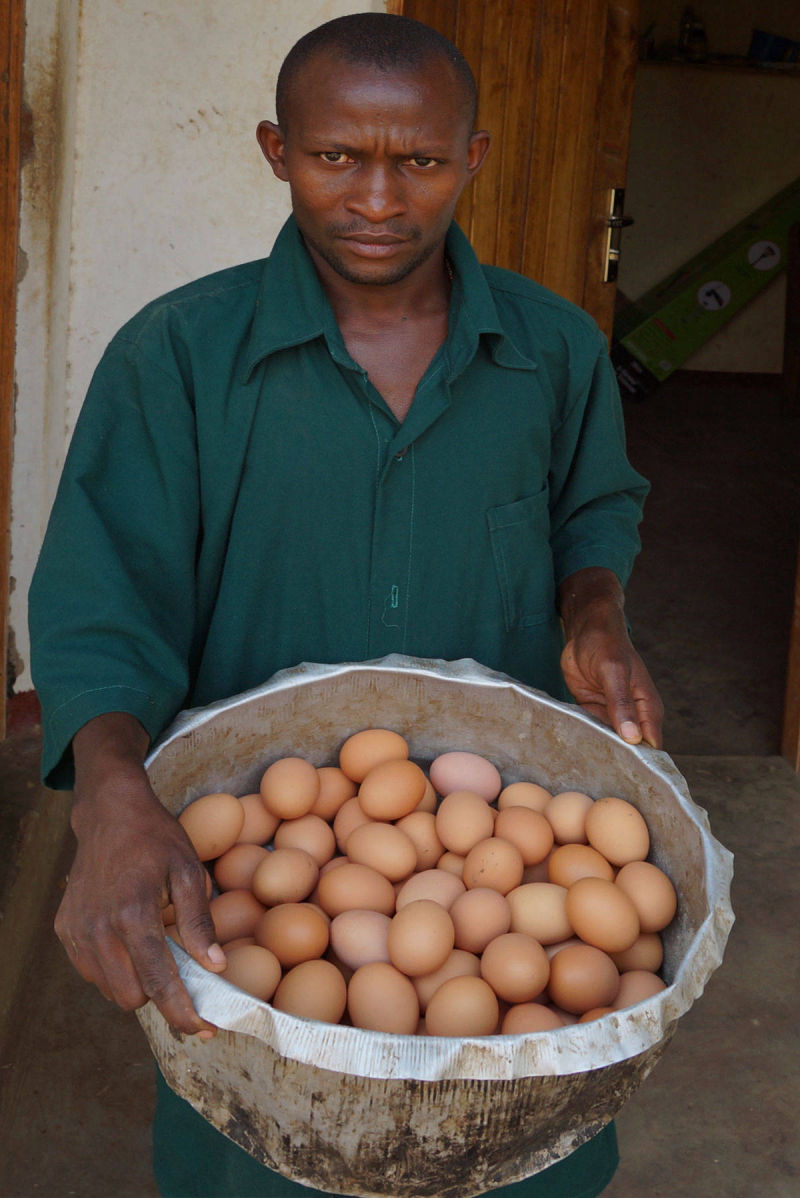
x: 423, y: 294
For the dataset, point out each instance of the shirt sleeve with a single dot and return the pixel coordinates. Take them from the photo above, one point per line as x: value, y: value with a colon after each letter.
x: 596, y: 497
x: 112, y: 600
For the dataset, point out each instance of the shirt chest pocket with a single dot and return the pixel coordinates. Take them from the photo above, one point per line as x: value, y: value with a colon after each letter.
x: 519, y: 534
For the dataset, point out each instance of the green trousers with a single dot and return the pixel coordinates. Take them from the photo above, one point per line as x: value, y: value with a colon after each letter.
x: 192, y: 1159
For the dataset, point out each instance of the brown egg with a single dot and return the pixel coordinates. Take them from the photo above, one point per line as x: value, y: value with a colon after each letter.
x: 383, y: 999
x: 528, y: 830
x: 617, y: 830
x: 635, y: 986
x: 459, y: 964
x: 516, y: 967
x: 582, y: 977
x: 420, y: 826
x: 212, y: 823
x: 463, y: 1006
x: 259, y: 824
x: 335, y: 788
x: 539, y: 909
x: 310, y: 833
x: 349, y: 817
x: 601, y: 914
x: 253, y: 969
x: 420, y: 938
x: 651, y: 893
x: 495, y: 863
x: 313, y: 990
x: 646, y: 952
x: 355, y: 886
x: 285, y: 876
x: 238, y: 942
x: 290, y: 787
x: 523, y: 794
x: 235, y: 913
x: 451, y: 863
x: 391, y: 790
x: 385, y: 848
x: 359, y: 937
x: 530, y: 1017
x: 462, y: 819
x: 362, y: 751
x: 566, y: 813
x: 465, y: 771
x: 478, y: 916
x: 234, y: 870
x: 435, y: 884
x: 595, y: 1013
x: 294, y: 932
x: 568, y: 862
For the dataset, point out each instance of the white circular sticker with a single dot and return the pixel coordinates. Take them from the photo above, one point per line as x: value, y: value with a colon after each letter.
x: 714, y: 295
x: 764, y: 255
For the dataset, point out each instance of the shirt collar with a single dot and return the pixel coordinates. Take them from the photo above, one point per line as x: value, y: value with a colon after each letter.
x: 292, y: 308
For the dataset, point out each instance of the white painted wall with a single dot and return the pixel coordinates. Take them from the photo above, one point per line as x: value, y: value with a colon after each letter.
x: 707, y: 148
x: 145, y: 174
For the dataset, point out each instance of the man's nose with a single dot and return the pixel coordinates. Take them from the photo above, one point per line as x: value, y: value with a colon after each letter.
x: 378, y: 195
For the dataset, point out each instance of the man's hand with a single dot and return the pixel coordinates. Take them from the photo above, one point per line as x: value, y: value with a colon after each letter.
x: 600, y: 665
x: 133, y: 858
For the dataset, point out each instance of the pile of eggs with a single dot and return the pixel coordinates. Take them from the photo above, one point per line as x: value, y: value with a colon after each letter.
x: 443, y: 903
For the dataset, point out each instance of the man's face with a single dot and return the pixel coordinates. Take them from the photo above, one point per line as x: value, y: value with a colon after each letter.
x: 376, y: 161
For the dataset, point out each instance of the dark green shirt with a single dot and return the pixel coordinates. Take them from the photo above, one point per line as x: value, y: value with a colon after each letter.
x: 238, y: 498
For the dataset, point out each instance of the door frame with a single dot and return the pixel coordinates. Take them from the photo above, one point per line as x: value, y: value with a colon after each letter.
x: 12, y: 34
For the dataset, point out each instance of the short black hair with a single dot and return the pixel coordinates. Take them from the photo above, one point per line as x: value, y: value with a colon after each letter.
x: 382, y: 40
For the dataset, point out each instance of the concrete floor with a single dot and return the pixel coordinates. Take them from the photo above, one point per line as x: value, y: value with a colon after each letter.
x: 710, y: 604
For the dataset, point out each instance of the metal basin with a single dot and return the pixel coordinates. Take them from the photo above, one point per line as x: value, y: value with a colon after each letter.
x: 366, y: 1113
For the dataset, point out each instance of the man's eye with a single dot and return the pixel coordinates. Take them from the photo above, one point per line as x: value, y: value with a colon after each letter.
x: 334, y: 156
x: 422, y: 162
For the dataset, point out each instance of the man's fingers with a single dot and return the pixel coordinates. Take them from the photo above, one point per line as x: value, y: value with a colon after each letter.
x: 193, y: 919
x: 156, y: 969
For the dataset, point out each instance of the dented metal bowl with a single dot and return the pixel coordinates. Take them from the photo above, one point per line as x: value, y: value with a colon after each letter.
x: 366, y: 1113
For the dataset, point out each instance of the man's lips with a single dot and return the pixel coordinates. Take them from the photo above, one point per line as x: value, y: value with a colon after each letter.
x: 373, y: 245
x: 374, y: 238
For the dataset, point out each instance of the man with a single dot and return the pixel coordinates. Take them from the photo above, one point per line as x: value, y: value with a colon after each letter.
x: 365, y: 444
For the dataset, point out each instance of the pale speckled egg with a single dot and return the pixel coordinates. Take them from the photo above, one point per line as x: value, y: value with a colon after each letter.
x: 495, y: 863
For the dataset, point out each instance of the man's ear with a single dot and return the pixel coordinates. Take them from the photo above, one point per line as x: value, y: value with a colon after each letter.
x: 479, y: 144
x: 272, y: 142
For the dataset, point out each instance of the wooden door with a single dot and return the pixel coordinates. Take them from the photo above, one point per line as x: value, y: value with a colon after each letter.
x: 555, y: 79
